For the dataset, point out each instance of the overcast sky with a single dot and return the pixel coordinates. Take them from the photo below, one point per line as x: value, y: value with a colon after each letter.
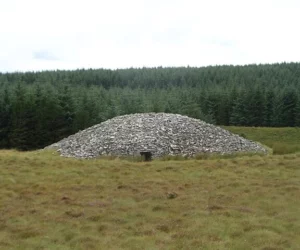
x: 69, y: 34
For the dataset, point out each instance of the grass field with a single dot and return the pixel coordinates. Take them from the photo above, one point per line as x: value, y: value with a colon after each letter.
x: 248, y: 202
x: 281, y: 140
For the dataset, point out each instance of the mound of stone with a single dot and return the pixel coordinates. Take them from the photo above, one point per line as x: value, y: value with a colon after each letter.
x: 158, y: 133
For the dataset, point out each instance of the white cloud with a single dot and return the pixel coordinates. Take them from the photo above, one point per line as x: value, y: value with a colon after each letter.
x: 136, y: 33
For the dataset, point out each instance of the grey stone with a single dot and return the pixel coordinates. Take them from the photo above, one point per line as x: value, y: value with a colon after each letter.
x: 159, y: 133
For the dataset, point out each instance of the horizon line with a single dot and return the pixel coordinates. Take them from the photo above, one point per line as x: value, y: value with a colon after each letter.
x: 148, y: 67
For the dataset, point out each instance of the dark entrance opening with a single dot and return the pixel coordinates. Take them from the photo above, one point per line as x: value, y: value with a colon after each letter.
x: 146, y: 155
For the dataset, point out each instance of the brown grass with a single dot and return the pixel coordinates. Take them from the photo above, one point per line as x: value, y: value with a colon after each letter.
x: 49, y: 202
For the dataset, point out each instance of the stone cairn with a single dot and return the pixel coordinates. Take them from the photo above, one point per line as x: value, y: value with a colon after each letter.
x: 153, y: 135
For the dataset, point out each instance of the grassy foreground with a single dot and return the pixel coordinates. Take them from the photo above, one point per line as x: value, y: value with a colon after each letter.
x: 49, y: 202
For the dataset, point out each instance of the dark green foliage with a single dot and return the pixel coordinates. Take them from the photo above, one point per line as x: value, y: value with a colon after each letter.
x: 20, y: 122
x: 239, y: 114
x: 268, y: 115
x: 297, y: 111
x: 5, y: 119
x: 65, y: 119
x: 289, y: 101
x: 39, y: 108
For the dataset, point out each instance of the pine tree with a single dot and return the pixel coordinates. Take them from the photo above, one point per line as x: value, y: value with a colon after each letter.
x: 41, y: 135
x: 82, y: 116
x: 268, y: 115
x: 289, y: 103
x: 238, y: 115
x: 64, y: 124
x: 297, y: 112
x: 255, y: 107
x: 5, y: 120
x: 223, y: 108
x: 19, y: 129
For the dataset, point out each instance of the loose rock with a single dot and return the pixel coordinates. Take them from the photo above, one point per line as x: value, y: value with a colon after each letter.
x: 158, y: 133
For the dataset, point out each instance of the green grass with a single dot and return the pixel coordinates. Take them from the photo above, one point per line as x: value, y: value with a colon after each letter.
x: 247, y: 202
x: 281, y: 140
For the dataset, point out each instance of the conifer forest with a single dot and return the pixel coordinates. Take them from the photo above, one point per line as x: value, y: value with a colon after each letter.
x: 39, y: 108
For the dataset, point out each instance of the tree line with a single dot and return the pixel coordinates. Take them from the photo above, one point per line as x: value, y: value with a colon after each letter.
x: 39, y: 108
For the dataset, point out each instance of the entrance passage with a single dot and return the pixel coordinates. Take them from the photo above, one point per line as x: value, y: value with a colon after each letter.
x: 146, y: 155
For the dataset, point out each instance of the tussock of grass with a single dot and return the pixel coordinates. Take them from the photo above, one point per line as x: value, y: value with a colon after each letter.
x: 206, y: 156
x: 50, y: 202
